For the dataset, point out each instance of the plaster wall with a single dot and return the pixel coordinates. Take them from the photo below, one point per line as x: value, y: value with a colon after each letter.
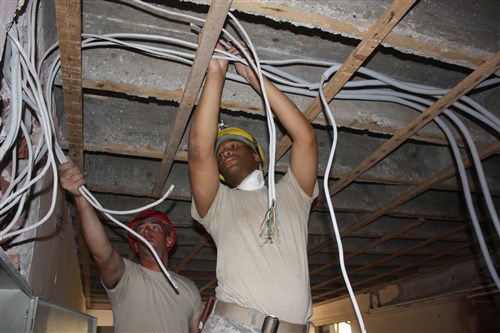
x: 46, y: 256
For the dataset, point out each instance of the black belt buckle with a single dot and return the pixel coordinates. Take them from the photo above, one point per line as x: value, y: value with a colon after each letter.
x: 270, y: 324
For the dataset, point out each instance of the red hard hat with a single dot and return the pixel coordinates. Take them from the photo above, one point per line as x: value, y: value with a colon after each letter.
x: 152, y: 215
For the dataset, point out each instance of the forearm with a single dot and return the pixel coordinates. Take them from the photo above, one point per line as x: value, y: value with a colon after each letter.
x: 93, y: 231
x: 297, y: 126
x: 304, y: 152
x: 205, y: 119
x: 109, y: 262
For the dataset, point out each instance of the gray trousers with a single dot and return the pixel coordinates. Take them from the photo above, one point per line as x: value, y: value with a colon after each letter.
x: 219, y: 324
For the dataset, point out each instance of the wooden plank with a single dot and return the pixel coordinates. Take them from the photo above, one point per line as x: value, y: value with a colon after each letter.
x: 372, y: 38
x: 393, y: 282
x: 409, y: 265
x: 85, y: 260
x: 394, y: 255
x: 134, y: 90
x: 480, y: 74
x: 405, y: 197
x: 383, y: 239
x: 281, y: 11
x: 213, y: 26
x: 414, y: 192
x: 386, y: 209
x: 69, y: 28
x: 181, y: 156
x: 208, y: 285
x: 203, y: 240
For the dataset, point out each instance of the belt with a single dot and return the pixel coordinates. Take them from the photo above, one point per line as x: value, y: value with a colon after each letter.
x: 266, y: 323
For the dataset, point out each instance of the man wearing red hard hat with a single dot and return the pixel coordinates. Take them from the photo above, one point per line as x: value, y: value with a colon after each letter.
x: 152, y: 216
x: 141, y: 296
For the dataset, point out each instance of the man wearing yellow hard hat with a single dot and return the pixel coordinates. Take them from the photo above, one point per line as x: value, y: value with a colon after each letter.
x: 236, y: 133
x: 263, y: 285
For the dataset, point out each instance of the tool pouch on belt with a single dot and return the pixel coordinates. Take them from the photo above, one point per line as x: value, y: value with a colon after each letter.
x: 206, y: 312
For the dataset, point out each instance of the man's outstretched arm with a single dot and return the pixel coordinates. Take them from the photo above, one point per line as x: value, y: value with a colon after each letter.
x: 109, y: 262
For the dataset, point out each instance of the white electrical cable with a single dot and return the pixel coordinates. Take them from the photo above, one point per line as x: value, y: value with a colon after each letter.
x: 32, y: 78
x: 22, y: 198
x: 270, y: 120
x: 396, y: 98
x: 25, y: 86
x: 328, y: 112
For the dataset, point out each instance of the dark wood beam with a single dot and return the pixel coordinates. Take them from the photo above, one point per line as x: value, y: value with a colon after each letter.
x: 211, y: 31
x: 69, y: 29
x: 405, y: 197
x: 394, y: 255
x: 479, y: 75
x: 203, y: 240
x: 403, y: 267
x: 372, y: 38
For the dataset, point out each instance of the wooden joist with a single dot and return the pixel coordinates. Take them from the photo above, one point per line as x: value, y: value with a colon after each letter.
x: 365, y: 48
x: 211, y: 32
x: 479, y: 75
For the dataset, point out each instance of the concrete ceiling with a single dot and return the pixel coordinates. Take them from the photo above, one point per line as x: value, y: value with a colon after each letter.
x: 398, y: 201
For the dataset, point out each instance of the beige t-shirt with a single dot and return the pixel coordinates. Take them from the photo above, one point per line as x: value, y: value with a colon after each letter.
x: 145, y: 301
x: 271, y: 277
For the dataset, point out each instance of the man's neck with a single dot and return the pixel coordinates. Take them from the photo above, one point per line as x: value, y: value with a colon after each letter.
x: 150, y: 262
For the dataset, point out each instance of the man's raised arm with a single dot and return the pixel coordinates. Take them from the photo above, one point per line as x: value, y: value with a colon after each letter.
x: 109, y: 262
x: 304, y: 153
x: 203, y: 170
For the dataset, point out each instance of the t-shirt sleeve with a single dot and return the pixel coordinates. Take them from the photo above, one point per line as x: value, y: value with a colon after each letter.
x: 117, y: 292
x: 291, y: 178
x: 208, y: 220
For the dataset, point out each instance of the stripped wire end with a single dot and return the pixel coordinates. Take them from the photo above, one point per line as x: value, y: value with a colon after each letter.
x: 270, y: 225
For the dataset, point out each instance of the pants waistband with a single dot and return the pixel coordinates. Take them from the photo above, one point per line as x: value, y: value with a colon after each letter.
x: 266, y: 323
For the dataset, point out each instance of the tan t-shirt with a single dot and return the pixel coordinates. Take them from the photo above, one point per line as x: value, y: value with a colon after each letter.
x: 145, y: 301
x: 271, y: 277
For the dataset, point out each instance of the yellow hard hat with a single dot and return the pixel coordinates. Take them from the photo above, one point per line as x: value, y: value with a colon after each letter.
x: 242, y: 135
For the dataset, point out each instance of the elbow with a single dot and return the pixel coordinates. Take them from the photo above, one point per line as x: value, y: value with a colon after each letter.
x: 309, y: 137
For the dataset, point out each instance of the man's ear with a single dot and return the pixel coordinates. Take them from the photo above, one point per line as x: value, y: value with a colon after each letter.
x: 170, y: 241
x: 256, y: 157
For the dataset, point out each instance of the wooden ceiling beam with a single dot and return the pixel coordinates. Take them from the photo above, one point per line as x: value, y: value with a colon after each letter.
x: 383, y: 239
x: 395, y: 255
x: 211, y: 32
x: 371, y: 40
x: 69, y: 30
x: 176, y: 95
x: 405, y: 197
x: 403, y: 267
x: 201, y: 242
x: 181, y: 157
x: 489, y: 67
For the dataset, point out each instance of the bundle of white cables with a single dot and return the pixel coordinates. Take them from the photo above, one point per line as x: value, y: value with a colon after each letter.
x: 30, y: 104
